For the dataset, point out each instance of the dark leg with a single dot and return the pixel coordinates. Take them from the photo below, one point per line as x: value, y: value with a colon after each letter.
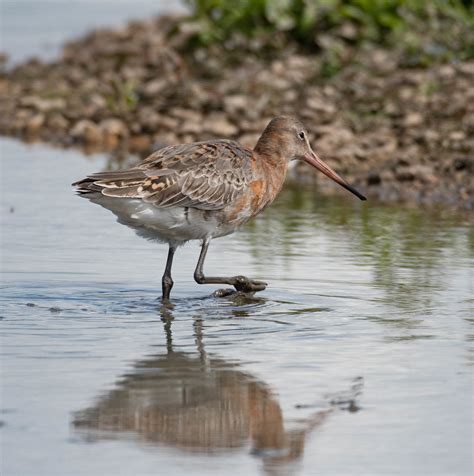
x: 241, y: 283
x: 166, y: 281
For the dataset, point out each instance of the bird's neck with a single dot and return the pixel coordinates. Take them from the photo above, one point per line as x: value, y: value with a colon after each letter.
x: 271, y: 149
x: 272, y: 159
x: 272, y: 154
x: 273, y: 169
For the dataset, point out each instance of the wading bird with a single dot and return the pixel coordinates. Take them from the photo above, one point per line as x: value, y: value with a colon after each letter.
x: 204, y: 190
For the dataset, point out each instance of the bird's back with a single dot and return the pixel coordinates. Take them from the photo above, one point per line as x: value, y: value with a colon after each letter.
x: 203, y: 175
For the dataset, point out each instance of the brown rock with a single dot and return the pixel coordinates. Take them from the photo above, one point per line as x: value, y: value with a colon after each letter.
x: 20, y: 118
x: 167, y: 122
x: 386, y: 175
x: 114, y: 127
x: 219, y: 126
x: 86, y: 131
x: 447, y: 71
x: 43, y: 105
x: 320, y: 105
x: 334, y: 138
x: 97, y: 101
x: 406, y: 93
x: 235, y: 103
x: 421, y: 172
x: 431, y: 136
x: 58, y: 122
x: 191, y: 127
x: 186, y: 114
x: 149, y: 119
x: 249, y: 140
x: 35, y: 123
x: 164, y: 139
x: 413, y: 119
x: 348, y: 31
x: 154, y: 87
x: 457, y: 136
x: 467, y: 68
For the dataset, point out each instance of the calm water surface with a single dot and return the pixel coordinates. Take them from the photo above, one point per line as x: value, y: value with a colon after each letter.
x: 357, y: 359
x: 40, y: 27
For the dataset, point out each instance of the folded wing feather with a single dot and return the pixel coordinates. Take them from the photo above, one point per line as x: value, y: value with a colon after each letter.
x: 204, y: 175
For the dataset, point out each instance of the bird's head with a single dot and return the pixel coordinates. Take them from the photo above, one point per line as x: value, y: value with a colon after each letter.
x: 287, y: 137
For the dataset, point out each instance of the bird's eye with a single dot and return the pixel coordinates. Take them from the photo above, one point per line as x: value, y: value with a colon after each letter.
x: 301, y: 135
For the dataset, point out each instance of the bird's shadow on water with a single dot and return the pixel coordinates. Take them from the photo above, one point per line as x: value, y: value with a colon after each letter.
x: 200, y: 402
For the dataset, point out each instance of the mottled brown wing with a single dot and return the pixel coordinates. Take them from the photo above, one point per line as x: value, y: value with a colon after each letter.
x: 204, y: 175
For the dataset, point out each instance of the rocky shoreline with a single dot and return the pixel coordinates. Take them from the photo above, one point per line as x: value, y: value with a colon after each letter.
x: 399, y: 133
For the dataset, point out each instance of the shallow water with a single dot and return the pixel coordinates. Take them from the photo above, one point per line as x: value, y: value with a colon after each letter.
x: 357, y: 359
x: 39, y: 28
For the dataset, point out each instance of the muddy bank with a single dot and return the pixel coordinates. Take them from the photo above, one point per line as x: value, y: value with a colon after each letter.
x: 398, y: 133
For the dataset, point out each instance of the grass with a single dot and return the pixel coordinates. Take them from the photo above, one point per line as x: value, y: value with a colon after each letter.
x: 427, y: 30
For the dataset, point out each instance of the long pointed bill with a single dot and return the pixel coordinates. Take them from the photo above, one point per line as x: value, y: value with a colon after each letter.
x: 317, y: 163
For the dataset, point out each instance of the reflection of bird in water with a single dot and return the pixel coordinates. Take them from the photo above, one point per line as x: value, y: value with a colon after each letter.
x: 204, y: 190
x: 196, y: 402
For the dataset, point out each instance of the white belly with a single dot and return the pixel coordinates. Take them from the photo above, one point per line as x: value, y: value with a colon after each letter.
x: 170, y: 225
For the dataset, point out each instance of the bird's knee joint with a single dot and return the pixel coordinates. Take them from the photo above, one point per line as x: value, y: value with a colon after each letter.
x: 199, y: 278
x: 167, y: 281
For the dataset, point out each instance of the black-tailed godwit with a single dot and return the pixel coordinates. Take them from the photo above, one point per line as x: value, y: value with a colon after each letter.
x: 204, y: 190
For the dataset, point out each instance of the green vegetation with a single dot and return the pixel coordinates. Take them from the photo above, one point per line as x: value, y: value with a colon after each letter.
x: 123, y: 97
x: 425, y: 29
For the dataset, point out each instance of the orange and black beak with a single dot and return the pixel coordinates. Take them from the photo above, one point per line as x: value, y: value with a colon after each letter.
x: 316, y: 162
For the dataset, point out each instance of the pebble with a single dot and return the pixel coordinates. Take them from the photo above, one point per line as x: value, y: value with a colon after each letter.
x: 58, y: 122
x: 114, y: 127
x: 457, y: 136
x: 34, y: 123
x: 218, y: 125
x: 87, y: 131
x: 413, y: 119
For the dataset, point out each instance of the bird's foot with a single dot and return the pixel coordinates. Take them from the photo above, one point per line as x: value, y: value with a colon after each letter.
x: 246, y: 285
x: 243, y: 286
x: 220, y: 293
